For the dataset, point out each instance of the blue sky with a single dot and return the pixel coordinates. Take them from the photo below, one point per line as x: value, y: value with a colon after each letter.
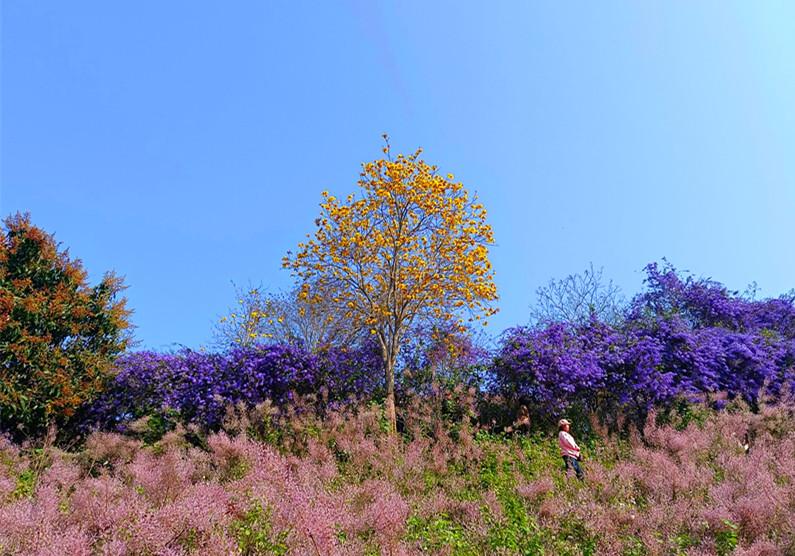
x: 185, y: 144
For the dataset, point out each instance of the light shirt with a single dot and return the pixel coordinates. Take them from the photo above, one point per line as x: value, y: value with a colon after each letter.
x: 567, y: 445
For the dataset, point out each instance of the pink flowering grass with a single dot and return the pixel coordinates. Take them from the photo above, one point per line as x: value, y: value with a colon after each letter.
x: 341, y: 485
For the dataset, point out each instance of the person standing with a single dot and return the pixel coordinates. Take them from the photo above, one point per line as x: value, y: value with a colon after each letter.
x: 523, y: 419
x: 569, y: 450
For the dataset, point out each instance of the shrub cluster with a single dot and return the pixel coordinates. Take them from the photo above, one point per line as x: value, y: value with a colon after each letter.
x: 191, y: 387
x: 682, y: 338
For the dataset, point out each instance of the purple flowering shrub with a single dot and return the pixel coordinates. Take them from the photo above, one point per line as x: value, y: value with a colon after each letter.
x: 683, y: 339
x: 713, y: 339
x: 197, y: 388
x: 344, y: 373
x: 704, y: 303
x: 549, y: 369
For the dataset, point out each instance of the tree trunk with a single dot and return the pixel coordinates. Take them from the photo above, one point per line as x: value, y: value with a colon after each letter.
x: 389, y: 368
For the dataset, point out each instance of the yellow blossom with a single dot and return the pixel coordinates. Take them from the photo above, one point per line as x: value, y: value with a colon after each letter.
x: 412, y: 244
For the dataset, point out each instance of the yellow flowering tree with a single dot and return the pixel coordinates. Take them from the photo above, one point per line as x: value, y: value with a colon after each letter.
x: 412, y: 245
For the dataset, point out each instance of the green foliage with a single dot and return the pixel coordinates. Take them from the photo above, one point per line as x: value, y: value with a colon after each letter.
x: 516, y: 531
x: 726, y: 539
x: 26, y: 484
x: 58, y: 336
x: 440, y: 534
x: 519, y: 536
x: 633, y: 547
x: 256, y: 534
x: 39, y: 458
x: 154, y: 427
x: 682, y: 413
x: 683, y: 542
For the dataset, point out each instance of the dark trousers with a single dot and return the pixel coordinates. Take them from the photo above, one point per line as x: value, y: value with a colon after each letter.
x: 571, y: 462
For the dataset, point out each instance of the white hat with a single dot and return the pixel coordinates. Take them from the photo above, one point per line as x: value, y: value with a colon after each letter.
x: 563, y: 422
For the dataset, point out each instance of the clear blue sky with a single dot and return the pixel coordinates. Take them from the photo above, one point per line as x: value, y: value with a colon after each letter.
x: 185, y: 144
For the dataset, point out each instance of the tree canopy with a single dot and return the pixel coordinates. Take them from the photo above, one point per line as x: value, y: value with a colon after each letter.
x: 412, y: 245
x: 58, y: 335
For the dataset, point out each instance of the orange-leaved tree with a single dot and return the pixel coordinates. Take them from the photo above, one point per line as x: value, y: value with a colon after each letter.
x: 412, y: 245
x: 58, y: 336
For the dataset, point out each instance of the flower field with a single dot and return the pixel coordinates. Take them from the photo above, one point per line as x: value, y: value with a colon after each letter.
x: 344, y: 485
